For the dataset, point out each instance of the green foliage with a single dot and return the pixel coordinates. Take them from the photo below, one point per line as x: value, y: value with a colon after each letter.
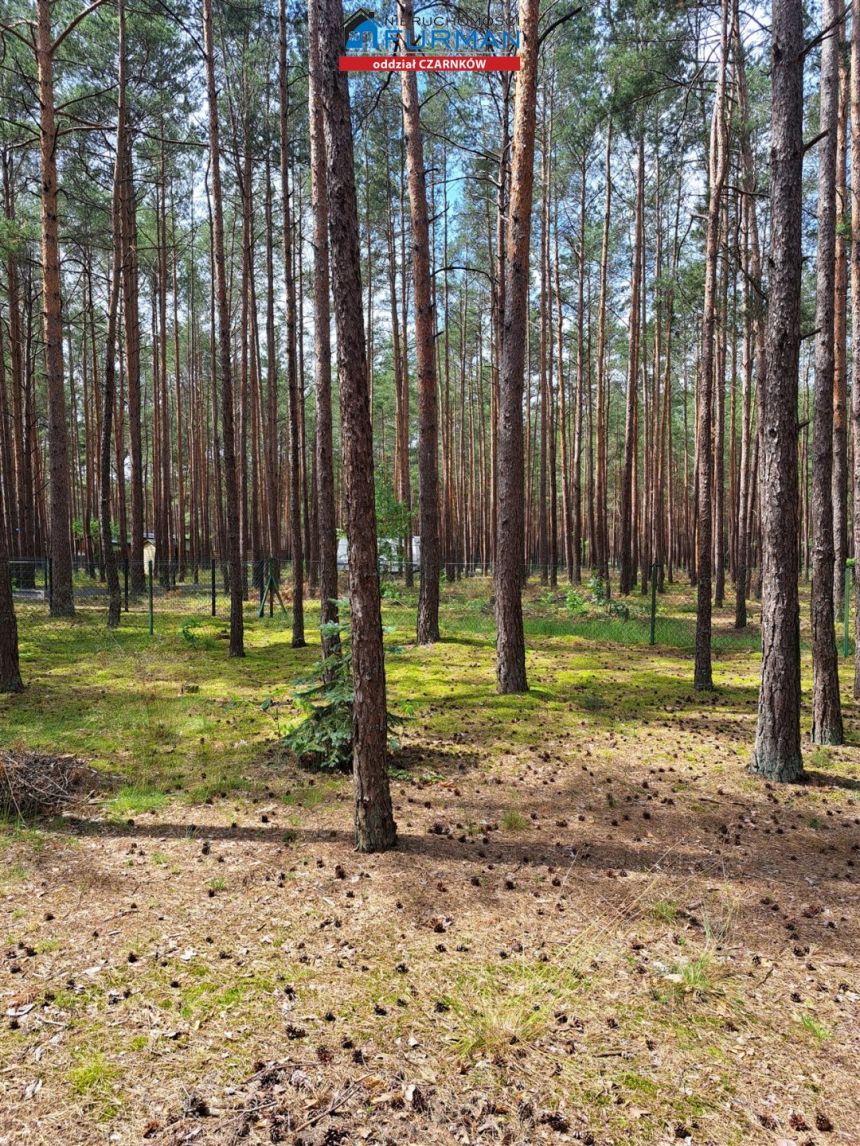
x: 815, y: 1028
x: 575, y: 603
x: 597, y: 587
x: 193, y: 632
x: 393, y: 522
x: 666, y: 910
x: 390, y: 592
x: 323, y: 738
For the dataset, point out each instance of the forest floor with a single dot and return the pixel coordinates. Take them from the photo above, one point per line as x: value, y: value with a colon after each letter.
x: 597, y: 927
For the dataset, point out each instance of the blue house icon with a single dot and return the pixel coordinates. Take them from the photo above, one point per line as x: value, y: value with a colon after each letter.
x: 356, y: 37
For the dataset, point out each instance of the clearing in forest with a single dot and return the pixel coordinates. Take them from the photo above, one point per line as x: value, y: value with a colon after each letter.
x: 596, y: 927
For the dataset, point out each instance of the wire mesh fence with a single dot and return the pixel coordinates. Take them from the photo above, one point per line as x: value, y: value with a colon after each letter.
x: 659, y: 613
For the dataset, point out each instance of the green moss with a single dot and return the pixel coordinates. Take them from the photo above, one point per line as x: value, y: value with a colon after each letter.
x: 93, y: 1077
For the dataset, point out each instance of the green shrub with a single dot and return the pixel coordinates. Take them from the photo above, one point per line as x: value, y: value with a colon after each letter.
x: 597, y: 586
x: 323, y: 738
x: 576, y: 603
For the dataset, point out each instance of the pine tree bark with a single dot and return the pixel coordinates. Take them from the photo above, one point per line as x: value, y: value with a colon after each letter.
x: 108, y: 393
x: 22, y: 489
x: 322, y: 365
x: 704, y: 437
x: 627, y: 578
x: 375, y: 829
x: 510, y: 530
x: 777, y: 753
x: 109, y: 376
x: 10, y: 671
x: 601, y: 492
x: 826, y: 708
x: 131, y: 324
x: 62, y: 597
x: 754, y: 359
x: 425, y: 353
x: 270, y: 428
x: 854, y: 93
x: 231, y: 528
x: 840, y: 361
x: 296, y: 539
x: 580, y: 386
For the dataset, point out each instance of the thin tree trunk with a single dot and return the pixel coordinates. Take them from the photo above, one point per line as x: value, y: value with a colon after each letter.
x: 826, y: 709
x: 777, y: 752
x: 131, y: 322
x: 425, y: 354
x: 602, y: 532
x: 322, y: 367
x: 296, y: 540
x: 233, y: 552
x: 510, y: 534
x: 10, y: 672
x: 375, y: 829
x: 62, y: 598
x: 855, y: 327
x: 840, y: 364
x: 628, y: 492
x: 718, y: 162
x: 754, y: 352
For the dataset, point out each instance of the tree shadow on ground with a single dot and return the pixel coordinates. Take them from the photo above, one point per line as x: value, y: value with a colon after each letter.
x: 817, y: 779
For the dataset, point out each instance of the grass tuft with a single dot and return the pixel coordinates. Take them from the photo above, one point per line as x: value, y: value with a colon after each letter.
x: 818, y: 1030
x: 133, y: 800
x: 514, y: 821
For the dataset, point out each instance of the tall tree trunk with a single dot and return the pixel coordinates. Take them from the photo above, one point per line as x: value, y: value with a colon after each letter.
x: 425, y: 353
x: 10, y: 672
x: 510, y: 533
x: 543, y: 354
x: 322, y: 365
x: 23, y: 491
x: 777, y: 752
x: 754, y: 363
x: 855, y: 327
x: 718, y: 162
x: 601, y: 513
x: 296, y: 540
x: 131, y: 323
x: 579, y: 391
x: 375, y: 829
x: 840, y: 362
x: 109, y: 376
x: 826, y: 709
x: 62, y: 598
x: 631, y: 422
x: 165, y: 558
x: 233, y: 552
x: 270, y: 427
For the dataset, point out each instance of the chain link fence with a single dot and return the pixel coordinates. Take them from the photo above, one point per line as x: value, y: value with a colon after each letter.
x: 661, y: 615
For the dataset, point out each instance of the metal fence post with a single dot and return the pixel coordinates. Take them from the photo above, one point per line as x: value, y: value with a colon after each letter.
x: 652, y: 639
x: 213, y: 587
x: 151, y: 613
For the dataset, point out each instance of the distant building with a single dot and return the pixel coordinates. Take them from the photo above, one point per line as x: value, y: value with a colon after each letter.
x: 387, y: 545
